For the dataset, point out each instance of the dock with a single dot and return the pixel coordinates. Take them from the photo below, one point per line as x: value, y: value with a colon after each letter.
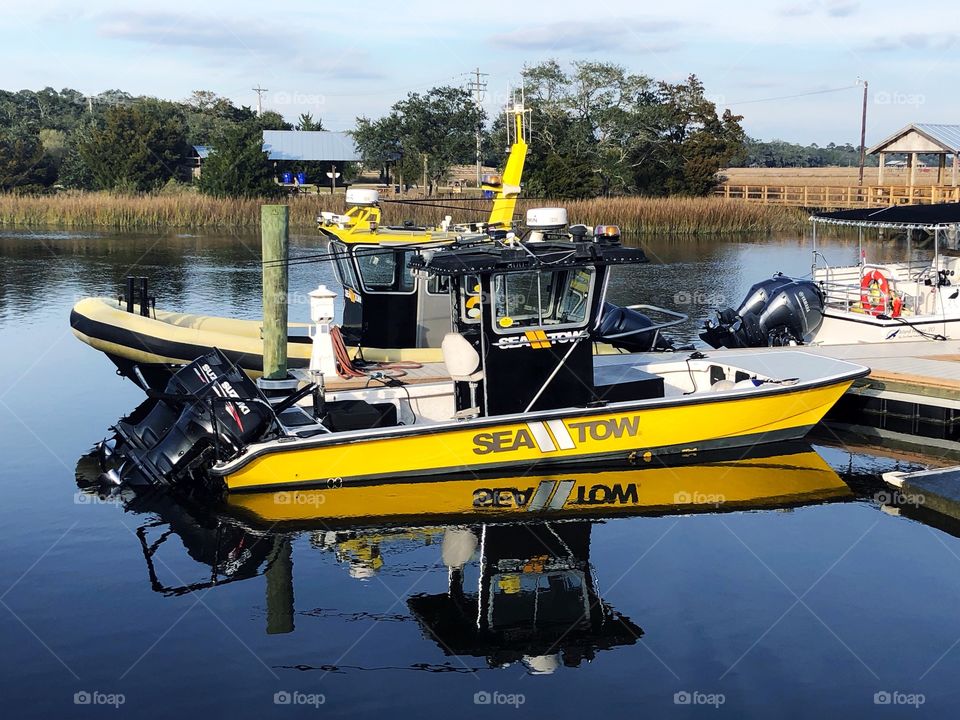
x: 910, y: 400
x: 929, y: 496
x: 835, y: 197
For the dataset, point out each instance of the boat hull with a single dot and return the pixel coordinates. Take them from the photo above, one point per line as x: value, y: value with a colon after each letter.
x: 730, y: 483
x: 849, y: 328
x: 626, y: 432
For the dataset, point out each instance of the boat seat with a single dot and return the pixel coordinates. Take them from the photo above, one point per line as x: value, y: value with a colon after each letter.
x: 461, y: 359
x: 463, y: 365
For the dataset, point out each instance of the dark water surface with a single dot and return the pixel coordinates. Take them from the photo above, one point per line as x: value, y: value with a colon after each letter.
x: 810, y: 609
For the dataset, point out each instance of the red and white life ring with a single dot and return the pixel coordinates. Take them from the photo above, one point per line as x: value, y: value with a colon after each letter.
x: 875, y: 289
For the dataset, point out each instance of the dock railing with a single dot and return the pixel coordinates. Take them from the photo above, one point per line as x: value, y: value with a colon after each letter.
x: 839, y: 196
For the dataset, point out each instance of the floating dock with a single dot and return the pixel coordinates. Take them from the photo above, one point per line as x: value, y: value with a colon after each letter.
x: 910, y: 400
x: 928, y: 492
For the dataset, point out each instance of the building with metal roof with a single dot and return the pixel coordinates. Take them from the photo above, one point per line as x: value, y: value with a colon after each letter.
x: 310, y: 145
x: 923, y: 139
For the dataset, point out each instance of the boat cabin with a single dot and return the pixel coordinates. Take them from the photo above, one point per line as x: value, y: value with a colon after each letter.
x: 524, y: 316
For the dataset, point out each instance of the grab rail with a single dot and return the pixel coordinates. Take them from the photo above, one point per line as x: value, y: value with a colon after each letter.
x: 681, y: 318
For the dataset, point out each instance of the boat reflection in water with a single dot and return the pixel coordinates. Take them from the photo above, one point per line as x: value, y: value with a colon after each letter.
x: 521, y: 584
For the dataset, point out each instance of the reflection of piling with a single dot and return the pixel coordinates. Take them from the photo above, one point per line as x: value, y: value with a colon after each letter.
x: 279, y: 576
x: 275, y: 227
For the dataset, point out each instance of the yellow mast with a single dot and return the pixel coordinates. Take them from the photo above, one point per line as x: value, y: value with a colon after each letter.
x: 508, y: 190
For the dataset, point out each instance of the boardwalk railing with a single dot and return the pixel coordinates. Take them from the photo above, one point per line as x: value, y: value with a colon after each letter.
x: 825, y: 196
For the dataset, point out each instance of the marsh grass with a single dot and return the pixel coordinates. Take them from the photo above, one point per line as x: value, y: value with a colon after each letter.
x: 675, y: 215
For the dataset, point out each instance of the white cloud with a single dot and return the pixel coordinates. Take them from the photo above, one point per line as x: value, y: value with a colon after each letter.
x: 593, y: 35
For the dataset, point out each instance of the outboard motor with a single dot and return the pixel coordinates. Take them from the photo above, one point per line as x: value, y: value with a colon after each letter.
x: 210, y: 411
x: 618, y: 320
x: 778, y: 311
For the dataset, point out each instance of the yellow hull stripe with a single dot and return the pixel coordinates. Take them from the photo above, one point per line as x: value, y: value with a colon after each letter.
x: 754, y: 482
x: 466, y: 447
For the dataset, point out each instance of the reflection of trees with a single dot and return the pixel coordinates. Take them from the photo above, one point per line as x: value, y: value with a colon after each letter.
x: 209, y: 273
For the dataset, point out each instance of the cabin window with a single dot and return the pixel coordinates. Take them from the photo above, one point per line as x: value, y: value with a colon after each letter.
x: 385, y: 270
x: 553, y: 298
x: 343, y: 266
x: 437, y: 285
x: 471, y: 300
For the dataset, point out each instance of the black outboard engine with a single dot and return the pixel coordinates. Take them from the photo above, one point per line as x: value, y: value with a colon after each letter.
x: 778, y: 311
x: 210, y: 411
x: 618, y: 320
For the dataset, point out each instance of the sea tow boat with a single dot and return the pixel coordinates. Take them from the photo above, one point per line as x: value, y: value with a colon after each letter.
x: 863, y: 303
x: 519, y: 385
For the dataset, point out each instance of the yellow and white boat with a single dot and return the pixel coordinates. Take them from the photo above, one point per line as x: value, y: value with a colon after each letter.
x: 519, y: 387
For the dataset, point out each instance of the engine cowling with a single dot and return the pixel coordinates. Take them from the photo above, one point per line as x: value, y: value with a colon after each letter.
x: 776, y: 311
x: 617, y: 320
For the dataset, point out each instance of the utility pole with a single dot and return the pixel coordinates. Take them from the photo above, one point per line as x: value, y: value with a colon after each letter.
x: 479, y: 88
x: 863, y: 134
x: 259, y: 91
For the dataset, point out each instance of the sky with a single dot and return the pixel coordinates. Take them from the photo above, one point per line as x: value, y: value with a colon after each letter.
x: 790, y: 67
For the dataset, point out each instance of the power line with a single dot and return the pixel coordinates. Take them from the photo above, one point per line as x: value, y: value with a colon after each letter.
x: 259, y: 91
x: 479, y: 88
x: 790, y: 97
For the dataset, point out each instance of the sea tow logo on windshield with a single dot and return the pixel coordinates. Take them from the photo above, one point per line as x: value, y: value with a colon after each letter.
x: 555, y: 495
x: 552, y: 435
x: 539, y: 340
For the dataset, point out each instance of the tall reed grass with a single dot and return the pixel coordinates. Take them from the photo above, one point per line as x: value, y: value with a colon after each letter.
x: 676, y: 215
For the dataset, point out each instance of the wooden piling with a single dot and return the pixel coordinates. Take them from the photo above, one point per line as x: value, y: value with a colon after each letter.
x: 275, y: 234
x: 279, y: 574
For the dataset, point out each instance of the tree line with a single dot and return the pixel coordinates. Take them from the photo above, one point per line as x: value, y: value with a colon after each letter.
x: 115, y: 141
x: 597, y: 130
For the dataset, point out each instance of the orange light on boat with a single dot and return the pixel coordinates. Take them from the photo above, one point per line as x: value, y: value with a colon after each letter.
x: 607, y: 231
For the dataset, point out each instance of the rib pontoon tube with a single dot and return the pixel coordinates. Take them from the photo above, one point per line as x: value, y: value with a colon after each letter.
x: 180, y: 338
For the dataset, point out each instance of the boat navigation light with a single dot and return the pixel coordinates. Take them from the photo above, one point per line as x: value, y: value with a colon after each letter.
x: 607, y: 233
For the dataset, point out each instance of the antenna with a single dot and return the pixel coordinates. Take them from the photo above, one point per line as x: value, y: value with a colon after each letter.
x: 479, y: 88
x: 259, y: 91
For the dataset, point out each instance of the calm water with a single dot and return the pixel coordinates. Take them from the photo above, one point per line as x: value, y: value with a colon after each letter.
x: 172, y: 609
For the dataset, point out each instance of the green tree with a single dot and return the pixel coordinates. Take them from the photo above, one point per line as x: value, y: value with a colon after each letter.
x: 619, y: 132
x: 307, y: 123
x: 237, y: 166
x: 272, y: 120
x: 430, y: 132
x: 135, y: 147
x: 23, y: 163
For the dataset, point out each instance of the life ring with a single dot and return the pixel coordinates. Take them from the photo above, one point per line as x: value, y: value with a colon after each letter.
x: 875, y: 288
